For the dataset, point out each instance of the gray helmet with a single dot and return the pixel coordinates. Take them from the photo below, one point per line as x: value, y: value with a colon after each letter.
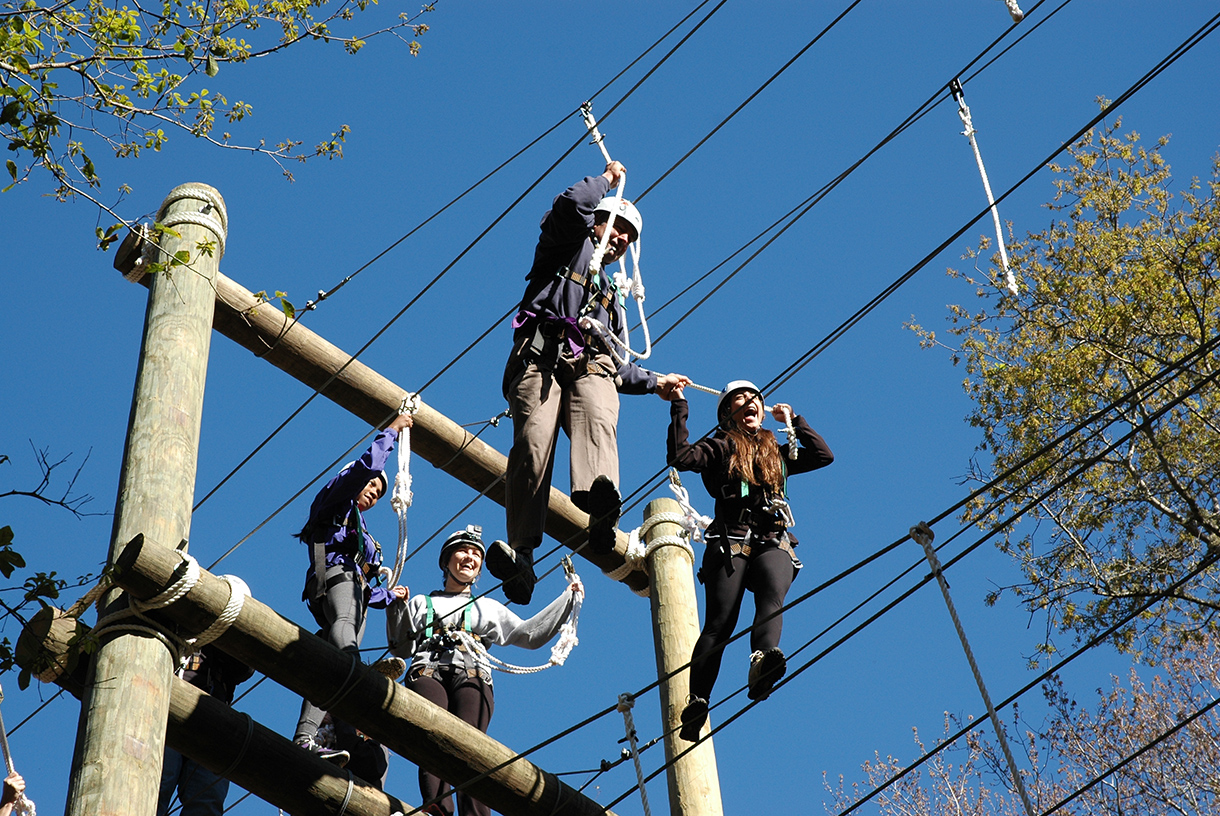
x: 472, y: 536
x: 727, y: 394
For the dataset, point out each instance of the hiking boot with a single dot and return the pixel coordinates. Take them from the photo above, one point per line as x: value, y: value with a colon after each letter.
x: 339, y: 758
x: 515, y: 569
x: 391, y: 667
x: 766, y: 669
x: 604, y: 508
x: 693, y: 717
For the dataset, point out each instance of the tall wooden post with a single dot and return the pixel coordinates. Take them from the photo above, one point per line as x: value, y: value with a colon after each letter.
x: 694, y: 785
x: 120, y: 740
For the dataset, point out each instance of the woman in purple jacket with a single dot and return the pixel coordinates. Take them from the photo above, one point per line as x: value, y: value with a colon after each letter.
x: 745, y: 470
x: 345, y: 561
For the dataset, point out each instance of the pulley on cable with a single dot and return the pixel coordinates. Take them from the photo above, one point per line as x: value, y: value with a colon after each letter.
x: 963, y: 112
x: 620, y: 348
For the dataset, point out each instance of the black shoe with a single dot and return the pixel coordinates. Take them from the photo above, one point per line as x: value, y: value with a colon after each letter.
x: 693, y: 717
x: 604, y: 508
x: 515, y: 569
x: 766, y: 669
x: 340, y: 758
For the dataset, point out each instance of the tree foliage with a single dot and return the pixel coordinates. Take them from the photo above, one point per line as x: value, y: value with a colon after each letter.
x: 1076, y: 745
x: 1122, y: 283
x: 79, y: 75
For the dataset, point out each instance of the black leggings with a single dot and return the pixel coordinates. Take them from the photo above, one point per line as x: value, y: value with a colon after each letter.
x: 768, y: 574
x: 470, y: 700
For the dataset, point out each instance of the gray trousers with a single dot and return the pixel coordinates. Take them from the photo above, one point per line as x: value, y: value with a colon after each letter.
x: 340, y: 613
x: 576, y: 394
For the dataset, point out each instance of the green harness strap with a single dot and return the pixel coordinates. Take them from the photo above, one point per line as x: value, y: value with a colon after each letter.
x: 430, y: 618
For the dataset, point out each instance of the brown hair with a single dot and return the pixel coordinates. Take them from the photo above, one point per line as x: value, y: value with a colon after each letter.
x: 756, y: 458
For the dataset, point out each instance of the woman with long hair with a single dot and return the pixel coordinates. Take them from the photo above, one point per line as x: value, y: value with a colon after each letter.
x: 745, y: 470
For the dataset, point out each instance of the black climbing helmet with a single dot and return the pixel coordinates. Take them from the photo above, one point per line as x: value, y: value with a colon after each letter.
x: 472, y: 536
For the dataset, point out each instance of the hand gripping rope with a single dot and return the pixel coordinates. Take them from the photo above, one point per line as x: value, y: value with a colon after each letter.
x: 963, y: 113
x: 922, y: 535
x: 559, y: 652
x: 631, y: 285
x: 22, y: 806
x: 794, y: 444
x: 626, y: 702
x: 402, y: 497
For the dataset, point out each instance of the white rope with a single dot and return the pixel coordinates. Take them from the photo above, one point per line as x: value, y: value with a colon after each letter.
x: 559, y: 652
x: 218, y: 224
x: 21, y: 805
x: 963, y: 113
x: 402, y: 497
x: 695, y: 522
x: 634, y: 285
x: 922, y: 535
x: 625, y: 703
x: 636, y: 557
x: 1014, y: 11
x: 238, y: 592
x: 182, y: 585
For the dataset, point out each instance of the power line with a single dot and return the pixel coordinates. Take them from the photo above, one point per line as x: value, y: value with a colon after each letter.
x: 460, y: 255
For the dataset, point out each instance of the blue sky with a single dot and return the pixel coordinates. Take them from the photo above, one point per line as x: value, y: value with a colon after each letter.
x: 490, y: 78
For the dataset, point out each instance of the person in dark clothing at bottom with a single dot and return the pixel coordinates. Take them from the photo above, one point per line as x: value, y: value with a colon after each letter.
x: 745, y: 470
x: 202, y: 792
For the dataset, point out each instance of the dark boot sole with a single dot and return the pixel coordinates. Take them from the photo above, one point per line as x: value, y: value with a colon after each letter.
x: 605, y: 505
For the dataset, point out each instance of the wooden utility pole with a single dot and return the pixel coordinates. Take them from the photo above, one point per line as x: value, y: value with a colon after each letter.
x: 319, y: 364
x: 120, y: 740
x: 401, y: 720
x: 694, y: 785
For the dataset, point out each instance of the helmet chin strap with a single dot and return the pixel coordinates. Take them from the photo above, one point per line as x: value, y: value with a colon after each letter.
x: 456, y: 580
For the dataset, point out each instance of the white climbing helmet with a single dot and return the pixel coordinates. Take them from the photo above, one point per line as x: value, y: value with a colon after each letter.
x: 472, y: 536
x: 623, y: 209
x: 731, y: 389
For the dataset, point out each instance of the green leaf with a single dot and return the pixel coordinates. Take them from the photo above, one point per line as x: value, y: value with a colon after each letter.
x: 289, y: 310
x: 9, y: 115
x: 23, y: 679
x: 182, y: 256
x: 212, y: 67
x: 12, y: 168
x: 10, y: 560
x: 6, y: 535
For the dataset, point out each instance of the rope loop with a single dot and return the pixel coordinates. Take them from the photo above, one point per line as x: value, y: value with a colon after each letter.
x: 625, y: 703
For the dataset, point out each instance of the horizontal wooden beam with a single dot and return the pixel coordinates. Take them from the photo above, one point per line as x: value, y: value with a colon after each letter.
x: 408, y: 724
x: 319, y: 364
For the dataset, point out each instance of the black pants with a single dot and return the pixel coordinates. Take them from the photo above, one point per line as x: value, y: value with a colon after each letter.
x: 768, y: 574
x: 470, y: 700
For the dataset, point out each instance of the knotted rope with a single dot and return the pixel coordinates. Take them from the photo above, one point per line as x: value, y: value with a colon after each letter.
x: 559, y: 652
x: 625, y: 703
x: 636, y: 557
x: 402, y: 497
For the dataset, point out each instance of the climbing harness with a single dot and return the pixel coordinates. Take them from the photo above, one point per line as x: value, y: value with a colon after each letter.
x: 402, y: 496
x: 922, y: 535
x: 963, y: 112
x: 789, y: 429
x: 21, y: 806
x: 626, y: 702
x: 559, y: 652
x: 1014, y: 11
x: 632, y: 286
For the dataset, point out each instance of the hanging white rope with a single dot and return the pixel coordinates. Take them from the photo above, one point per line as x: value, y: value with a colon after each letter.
x: 625, y: 703
x: 963, y: 113
x: 922, y: 535
x: 559, y: 652
x: 1014, y: 11
x: 789, y: 429
x: 402, y: 496
x: 21, y: 806
x: 629, y: 286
